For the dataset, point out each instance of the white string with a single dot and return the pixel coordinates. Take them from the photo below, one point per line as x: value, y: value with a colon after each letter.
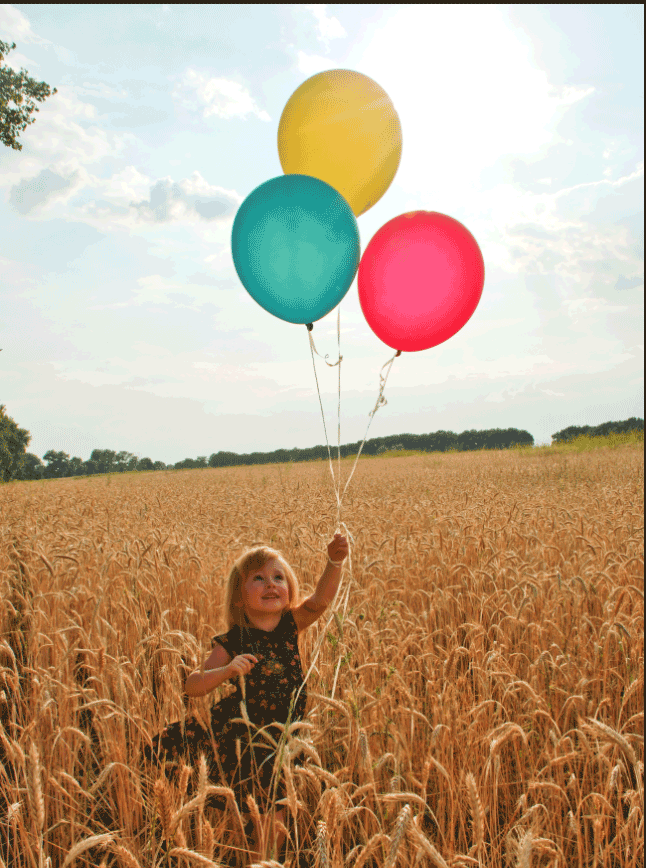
x: 381, y: 401
x: 331, y: 365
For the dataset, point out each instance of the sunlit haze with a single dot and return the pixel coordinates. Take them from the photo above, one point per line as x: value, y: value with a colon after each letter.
x: 123, y: 323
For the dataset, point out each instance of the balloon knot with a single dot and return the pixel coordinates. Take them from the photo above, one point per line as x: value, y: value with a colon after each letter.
x: 398, y: 353
x: 310, y: 326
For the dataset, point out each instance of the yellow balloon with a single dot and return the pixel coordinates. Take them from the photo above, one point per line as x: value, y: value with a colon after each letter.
x: 341, y: 127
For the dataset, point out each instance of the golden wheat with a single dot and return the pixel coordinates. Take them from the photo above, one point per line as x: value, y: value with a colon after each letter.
x: 483, y: 663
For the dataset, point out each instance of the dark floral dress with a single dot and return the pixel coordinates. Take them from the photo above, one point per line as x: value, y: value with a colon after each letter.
x: 270, y: 687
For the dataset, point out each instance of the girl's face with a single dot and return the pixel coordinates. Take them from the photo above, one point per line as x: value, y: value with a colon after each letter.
x: 266, y: 591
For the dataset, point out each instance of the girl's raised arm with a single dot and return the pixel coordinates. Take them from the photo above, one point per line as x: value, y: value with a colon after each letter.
x: 216, y: 670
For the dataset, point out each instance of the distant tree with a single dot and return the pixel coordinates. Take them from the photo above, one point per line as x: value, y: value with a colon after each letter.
x: 13, y: 445
x: 124, y: 461
x: 58, y: 464
x: 75, y: 467
x: 15, y: 86
x: 570, y: 433
x: 32, y: 468
x: 186, y: 464
x: 631, y: 424
x: 145, y: 464
x: 519, y: 438
x: 469, y: 440
x: 603, y: 430
x: 223, y: 459
x: 159, y: 465
x: 105, y: 460
x: 441, y: 441
x: 90, y: 467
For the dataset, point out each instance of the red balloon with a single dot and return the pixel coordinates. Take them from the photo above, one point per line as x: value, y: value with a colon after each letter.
x: 420, y: 280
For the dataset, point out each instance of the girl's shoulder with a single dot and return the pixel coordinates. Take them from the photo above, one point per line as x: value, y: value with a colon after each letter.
x: 229, y: 640
x: 288, y: 622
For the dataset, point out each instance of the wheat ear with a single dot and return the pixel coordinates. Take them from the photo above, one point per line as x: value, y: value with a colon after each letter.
x: 36, y: 786
x: 165, y: 808
x: 400, y: 829
x: 208, y: 839
x: 125, y: 856
x: 193, y: 856
x: 93, y: 841
x: 476, y: 812
x: 525, y: 850
x: 322, y: 846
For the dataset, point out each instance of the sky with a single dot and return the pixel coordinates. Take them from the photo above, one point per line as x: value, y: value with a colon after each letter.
x: 123, y: 324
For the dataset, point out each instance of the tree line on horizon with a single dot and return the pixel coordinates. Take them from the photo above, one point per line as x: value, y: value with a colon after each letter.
x: 18, y: 464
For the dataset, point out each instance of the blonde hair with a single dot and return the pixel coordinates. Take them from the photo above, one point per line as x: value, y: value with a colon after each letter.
x: 254, y: 559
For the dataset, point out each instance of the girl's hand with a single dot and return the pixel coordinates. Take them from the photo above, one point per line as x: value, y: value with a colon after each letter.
x: 338, y: 549
x: 242, y: 664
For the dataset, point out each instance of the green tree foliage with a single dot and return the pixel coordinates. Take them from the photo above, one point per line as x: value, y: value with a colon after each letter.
x: 191, y: 463
x: 14, y: 87
x: 574, y: 431
x: 109, y: 461
x: 58, y: 464
x: 32, y: 468
x: 16, y: 463
x: 13, y: 444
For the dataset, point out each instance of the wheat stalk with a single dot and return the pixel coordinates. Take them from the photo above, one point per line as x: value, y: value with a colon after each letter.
x: 193, y: 856
x: 403, y: 819
x: 477, y: 812
x: 36, y: 786
x: 82, y: 846
x: 208, y: 839
x: 165, y: 807
x: 184, y: 776
x: 125, y: 856
x: 476, y: 582
x: 437, y: 859
x: 255, y: 813
x: 322, y: 846
x: 525, y: 846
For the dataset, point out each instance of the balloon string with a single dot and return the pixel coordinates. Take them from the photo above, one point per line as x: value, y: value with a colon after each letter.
x: 381, y: 402
x: 338, y: 338
x: 312, y: 351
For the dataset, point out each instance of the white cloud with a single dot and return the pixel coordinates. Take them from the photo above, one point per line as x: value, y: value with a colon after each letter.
x: 14, y: 22
x: 461, y: 110
x: 221, y: 97
x: 502, y: 396
x: 328, y: 27
x: 101, y: 90
x: 586, y: 305
x: 311, y: 64
x: 572, y: 232
x: 191, y: 198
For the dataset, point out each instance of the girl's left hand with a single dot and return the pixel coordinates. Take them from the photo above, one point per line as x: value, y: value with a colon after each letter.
x: 338, y: 549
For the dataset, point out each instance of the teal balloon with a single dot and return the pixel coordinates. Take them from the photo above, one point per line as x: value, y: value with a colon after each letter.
x: 295, y: 246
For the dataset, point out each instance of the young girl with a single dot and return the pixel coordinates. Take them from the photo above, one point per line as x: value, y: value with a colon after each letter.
x: 260, y: 651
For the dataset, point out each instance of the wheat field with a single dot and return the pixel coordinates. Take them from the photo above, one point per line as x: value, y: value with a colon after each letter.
x: 476, y: 697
